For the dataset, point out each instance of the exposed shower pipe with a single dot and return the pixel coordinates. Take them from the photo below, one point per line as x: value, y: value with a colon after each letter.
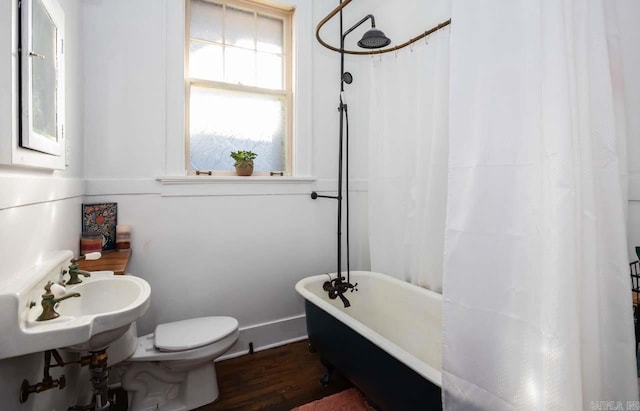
x: 373, y: 38
x: 342, y: 5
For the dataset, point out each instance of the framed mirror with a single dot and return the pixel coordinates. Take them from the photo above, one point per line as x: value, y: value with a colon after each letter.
x: 42, y: 76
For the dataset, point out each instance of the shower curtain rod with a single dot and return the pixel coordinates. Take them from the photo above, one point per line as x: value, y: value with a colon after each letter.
x: 398, y: 47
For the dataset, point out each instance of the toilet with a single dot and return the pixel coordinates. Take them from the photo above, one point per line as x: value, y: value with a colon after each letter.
x: 172, y: 368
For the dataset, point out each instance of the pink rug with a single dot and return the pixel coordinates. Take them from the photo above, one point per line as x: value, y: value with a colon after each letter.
x: 348, y: 400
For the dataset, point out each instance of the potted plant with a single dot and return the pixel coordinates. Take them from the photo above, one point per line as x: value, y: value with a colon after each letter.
x: 244, y: 162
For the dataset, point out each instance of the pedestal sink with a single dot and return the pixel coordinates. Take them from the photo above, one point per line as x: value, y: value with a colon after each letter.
x: 107, y: 305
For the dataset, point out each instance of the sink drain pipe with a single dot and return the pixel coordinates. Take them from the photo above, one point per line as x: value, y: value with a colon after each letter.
x: 100, y: 380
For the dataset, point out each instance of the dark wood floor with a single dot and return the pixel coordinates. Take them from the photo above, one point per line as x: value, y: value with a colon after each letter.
x: 272, y: 380
x: 278, y: 379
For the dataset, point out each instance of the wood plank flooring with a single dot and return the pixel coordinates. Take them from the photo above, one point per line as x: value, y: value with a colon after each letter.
x: 278, y: 379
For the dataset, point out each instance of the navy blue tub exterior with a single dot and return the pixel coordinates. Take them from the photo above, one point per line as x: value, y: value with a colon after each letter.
x: 387, y: 383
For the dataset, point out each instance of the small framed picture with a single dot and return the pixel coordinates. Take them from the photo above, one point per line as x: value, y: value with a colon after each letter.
x: 101, y: 219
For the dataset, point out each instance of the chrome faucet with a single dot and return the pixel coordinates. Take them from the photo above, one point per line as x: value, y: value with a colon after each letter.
x: 49, y: 302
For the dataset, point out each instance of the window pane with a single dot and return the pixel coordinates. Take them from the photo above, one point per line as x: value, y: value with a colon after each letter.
x: 240, y: 28
x: 44, y: 72
x: 269, y: 34
x: 270, y: 71
x: 224, y: 121
x: 240, y: 66
x: 206, y: 21
x: 205, y: 61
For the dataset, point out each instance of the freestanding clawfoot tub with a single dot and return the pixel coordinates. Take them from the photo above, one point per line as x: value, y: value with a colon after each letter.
x: 387, y: 343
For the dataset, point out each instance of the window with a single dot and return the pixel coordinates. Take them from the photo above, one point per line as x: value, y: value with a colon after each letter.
x: 42, y: 66
x: 238, y: 85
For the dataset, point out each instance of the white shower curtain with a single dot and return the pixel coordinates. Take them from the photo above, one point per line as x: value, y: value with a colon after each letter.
x: 537, y: 305
x: 408, y: 161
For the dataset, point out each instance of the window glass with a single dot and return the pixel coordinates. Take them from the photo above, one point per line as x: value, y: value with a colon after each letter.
x: 269, y: 34
x: 206, y: 21
x: 240, y: 66
x: 44, y: 72
x: 222, y: 121
x: 205, y: 61
x: 269, y: 71
x: 240, y: 28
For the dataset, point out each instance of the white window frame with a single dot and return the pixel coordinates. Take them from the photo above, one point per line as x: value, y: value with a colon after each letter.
x: 11, y: 151
x: 175, y: 155
x: 275, y: 11
x: 30, y: 138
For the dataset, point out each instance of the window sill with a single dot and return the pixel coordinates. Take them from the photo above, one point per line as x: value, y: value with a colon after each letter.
x: 188, y: 186
x: 204, y: 186
x: 172, y: 180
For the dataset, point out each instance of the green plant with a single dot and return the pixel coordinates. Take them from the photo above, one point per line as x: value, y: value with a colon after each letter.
x: 243, y: 158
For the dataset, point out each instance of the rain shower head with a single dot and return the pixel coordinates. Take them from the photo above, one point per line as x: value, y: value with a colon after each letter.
x: 374, y: 39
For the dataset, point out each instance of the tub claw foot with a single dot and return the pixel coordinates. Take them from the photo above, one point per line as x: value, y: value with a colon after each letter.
x: 312, y: 349
x: 325, y: 379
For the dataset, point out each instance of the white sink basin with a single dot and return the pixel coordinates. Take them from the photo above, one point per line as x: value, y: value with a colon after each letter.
x: 112, y: 301
x: 107, y: 305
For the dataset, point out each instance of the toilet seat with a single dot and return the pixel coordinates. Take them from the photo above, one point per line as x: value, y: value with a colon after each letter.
x: 193, y: 333
x: 207, y: 337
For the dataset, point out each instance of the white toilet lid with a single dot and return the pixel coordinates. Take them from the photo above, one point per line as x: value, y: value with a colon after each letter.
x: 193, y: 333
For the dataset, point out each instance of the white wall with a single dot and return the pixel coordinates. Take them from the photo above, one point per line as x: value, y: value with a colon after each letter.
x: 212, y: 249
x: 223, y: 249
x: 40, y: 210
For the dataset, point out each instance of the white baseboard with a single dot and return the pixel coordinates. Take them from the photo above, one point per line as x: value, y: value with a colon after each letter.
x: 268, y: 335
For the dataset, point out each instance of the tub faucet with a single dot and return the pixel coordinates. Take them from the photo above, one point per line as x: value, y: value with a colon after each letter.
x: 49, y: 302
x: 337, y: 287
x: 344, y: 300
